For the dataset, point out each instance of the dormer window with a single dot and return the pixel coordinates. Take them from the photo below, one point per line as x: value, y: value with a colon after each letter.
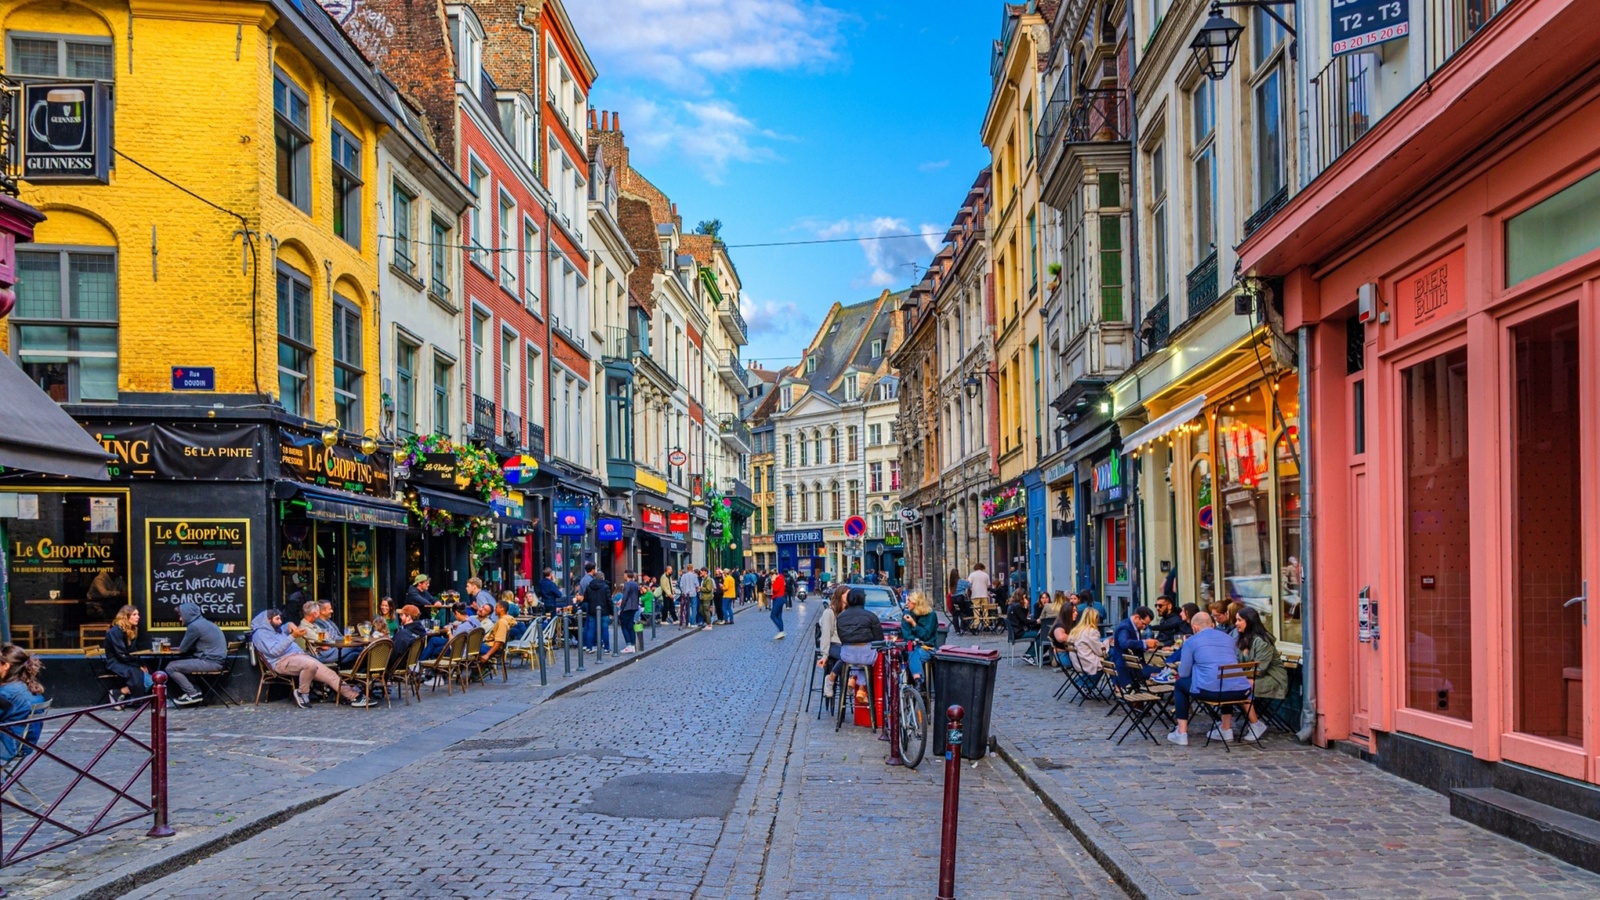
x: 877, y: 349
x: 811, y: 365
x: 850, y: 388
x: 468, y: 37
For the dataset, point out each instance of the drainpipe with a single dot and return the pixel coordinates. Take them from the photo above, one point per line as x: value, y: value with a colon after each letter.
x: 1308, y: 631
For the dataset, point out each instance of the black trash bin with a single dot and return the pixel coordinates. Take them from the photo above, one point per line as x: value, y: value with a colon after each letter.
x: 964, y: 677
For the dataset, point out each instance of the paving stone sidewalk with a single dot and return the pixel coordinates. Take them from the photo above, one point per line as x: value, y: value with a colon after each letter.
x: 1290, y: 818
x: 231, y: 766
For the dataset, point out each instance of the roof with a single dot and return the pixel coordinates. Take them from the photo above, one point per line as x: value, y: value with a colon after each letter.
x: 850, y: 346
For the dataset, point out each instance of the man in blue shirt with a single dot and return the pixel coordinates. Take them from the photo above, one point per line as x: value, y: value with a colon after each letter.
x: 1126, y: 639
x: 1199, y: 675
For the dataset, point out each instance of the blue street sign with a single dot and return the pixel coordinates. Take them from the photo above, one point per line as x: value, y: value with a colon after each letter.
x: 194, y: 378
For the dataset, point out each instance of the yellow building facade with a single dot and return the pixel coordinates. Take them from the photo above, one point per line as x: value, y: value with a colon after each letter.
x: 237, y: 224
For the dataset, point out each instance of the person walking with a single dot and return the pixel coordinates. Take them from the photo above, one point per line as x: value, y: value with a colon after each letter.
x: 628, y: 609
x: 750, y: 582
x: 708, y: 595
x: 777, y: 616
x: 689, y: 593
x: 666, y: 590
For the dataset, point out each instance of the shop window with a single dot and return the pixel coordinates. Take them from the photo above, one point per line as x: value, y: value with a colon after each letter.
x: 1111, y: 268
x: 347, y: 370
x: 1438, y: 592
x: 65, y: 325
x: 1116, y: 550
x: 1547, y: 556
x: 292, y: 134
x: 1291, y: 558
x: 68, y: 564
x: 1555, y: 232
x: 1242, y: 502
x: 66, y: 56
x: 294, y: 343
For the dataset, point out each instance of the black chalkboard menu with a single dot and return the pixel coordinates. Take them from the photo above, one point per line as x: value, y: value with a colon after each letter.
x: 205, y: 561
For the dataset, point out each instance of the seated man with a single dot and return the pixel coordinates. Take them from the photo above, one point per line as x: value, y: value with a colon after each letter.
x: 280, y: 653
x: 1168, y: 623
x: 410, y: 631
x: 1199, y: 676
x: 333, y: 633
x: 496, y: 641
x: 1126, y: 639
x: 465, y: 620
x: 486, y: 616
x: 310, y: 632
x: 858, y: 629
x: 203, y: 649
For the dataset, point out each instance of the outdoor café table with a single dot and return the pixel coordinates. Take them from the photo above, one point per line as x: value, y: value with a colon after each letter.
x: 158, y: 658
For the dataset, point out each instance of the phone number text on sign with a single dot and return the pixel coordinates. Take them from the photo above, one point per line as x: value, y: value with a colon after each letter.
x: 1358, y: 24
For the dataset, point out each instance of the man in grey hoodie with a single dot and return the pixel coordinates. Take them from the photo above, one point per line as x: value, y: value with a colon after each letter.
x: 279, y: 652
x: 202, y: 650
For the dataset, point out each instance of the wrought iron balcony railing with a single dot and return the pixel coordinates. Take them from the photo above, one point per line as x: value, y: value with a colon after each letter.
x: 511, y: 427
x: 483, y: 418
x: 1203, y: 285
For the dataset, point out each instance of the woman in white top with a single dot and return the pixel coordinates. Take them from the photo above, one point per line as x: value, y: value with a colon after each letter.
x: 828, y: 638
x: 1088, y: 649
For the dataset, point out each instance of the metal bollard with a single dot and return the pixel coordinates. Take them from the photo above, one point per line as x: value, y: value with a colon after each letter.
x: 580, y: 639
x: 566, y: 644
x: 638, y: 637
x: 952, y: 802
x: 538, y: 650
x: 158, y: 758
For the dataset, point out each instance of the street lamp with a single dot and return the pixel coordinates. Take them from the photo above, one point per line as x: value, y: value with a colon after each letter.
x: 973, y: 382
x: 1216, y: 45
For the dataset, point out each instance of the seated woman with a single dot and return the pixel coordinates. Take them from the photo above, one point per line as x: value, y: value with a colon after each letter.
x: 1088, y: 649
x: 119, y: 643
x: 387, y: 612
x: 20, y: 691
x: 828, y: 640
x: 1254, y: 642
x: 859, y: 628
x: 921, y: 627
x: 1018, y: 622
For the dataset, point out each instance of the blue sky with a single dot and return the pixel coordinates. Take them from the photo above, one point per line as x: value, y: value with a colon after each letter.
x: 795, y: 120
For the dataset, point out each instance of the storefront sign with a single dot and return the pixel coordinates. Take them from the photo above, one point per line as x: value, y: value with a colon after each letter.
x: 520, y: 470
x: 572, y: 522
x: 653, y: 520
x: 677, y: 458
x: 811, y: 536
x: 608, y: 530
x: 697, y: 489
x: 1358, y: 24
x: 436, y: 470
x: 1431, y: 294
x: 892, y: 540
x: 181, y: 451
x: 679, y: 522
x: 66, y: 132
x: 649, y: 480
x: 201, y: 561
x: 1108, y: 482
x: 194, y: 378
x: 305, y: 458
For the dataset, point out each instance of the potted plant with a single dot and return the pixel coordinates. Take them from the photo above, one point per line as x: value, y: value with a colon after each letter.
x: 1055, y: 275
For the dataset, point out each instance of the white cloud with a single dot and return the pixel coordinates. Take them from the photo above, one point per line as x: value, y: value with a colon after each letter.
x: 708, y: 133
x: 934, y: 165
x: 889, y: 259
x: 774, y: 318
x: 681, y: 42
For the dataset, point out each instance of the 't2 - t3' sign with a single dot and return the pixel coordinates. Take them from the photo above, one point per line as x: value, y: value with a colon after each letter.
x: 1358, y: 24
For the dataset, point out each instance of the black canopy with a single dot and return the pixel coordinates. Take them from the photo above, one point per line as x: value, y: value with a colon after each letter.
x: 36, y: 435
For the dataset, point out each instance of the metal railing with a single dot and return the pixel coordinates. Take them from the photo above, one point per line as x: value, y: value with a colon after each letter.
x: 736, y: 488
x: 736, y: 431
x: 1098, y: 115
x: 96, y: 786
x: 511, y: 427
x: 733, y: 318
x: 1157, y: 326
x: 1203, y: 286
x: 10, y: 149
x: 535, y: 445
x: 1344, y: 104
x: 1267, y: 211
x: 621, y: 343
x: 1055, y: 112
x: 483, y: 418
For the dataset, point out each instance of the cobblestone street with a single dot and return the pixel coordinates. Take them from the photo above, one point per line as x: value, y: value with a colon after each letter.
x: 692, y: 774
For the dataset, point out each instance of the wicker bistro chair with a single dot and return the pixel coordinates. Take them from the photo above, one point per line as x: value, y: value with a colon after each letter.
x: 406, y: 672
x: 526, y: 646
x: 487, y: 667
x: 472, y: 663
x: 370, y: 668
x: 449, y: 664
x: 1215, y: 708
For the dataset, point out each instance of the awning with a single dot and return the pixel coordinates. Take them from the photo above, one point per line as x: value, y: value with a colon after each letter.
x: 452, y: 503
x: 1168, y: 421
x: 39, y: 436
x: 338, y: 506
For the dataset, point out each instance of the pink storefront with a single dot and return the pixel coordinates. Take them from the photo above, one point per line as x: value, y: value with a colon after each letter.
x: 1455, y: 434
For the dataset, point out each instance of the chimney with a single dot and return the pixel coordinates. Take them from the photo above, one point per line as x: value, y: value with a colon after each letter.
x: 616, y: 122
x: 591, y: 120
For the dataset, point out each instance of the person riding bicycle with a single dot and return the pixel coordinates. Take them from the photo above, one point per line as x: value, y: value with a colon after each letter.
x: 858, y: 629
x: 920, y: 627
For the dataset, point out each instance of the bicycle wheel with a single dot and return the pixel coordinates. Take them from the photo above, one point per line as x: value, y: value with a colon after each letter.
x: 913, y: 725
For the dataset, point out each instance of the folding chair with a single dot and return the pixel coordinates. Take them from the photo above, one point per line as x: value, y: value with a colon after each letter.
x: 214, y: 685
x: 268, y: 676
x: 1214, y: 708
x: 1136, y: 707
x: 1013, y: 638
x: 17, y: 744
x: 1164, y: 711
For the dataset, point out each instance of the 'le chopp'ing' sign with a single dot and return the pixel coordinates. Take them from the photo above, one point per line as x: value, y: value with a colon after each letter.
x: 203, y: 561
x: 1358, y: 24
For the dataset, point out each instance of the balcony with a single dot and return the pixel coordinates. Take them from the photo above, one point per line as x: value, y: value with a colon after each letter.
x: 733, y: 320
x: 511, y: 427
x: 1268, y: 209
x: 483, y: 418
x: 1203, y: 286
x: 1157, y: 326
x: 732, y: 372
x: 736, y: 435
x: 535, y: 445
x: 621, y: 344
x: 733, y: 487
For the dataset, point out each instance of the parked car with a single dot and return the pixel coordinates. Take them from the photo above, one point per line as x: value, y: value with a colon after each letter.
x: 884, y: 602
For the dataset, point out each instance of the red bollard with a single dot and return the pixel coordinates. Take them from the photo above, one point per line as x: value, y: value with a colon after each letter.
x: 952, y: 802
x: 158, y: 758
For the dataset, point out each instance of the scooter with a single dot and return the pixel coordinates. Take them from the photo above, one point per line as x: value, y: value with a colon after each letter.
x: 803, y: 592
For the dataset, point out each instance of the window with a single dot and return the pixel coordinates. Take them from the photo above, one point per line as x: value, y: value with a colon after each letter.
x: 508, y: 371
x: 405, y: 387
x: 1033, y: 252
x: 439, y: 258
x: 1438, y: 562
x: 441, y: 395
x: 811, y: 365
x: 833, y: 445
x: 805, y: 505
x: 295, y: 345
x: 875, y: 478
x: 850, y: 388
x: 788, y: 503
x: 877, y: 348
x: 835, y: 497
x: 891, y: 432
x: 346, y: 186
x: 508, y: 243
x: 533, y: 408
x: 1110, y: 190
x: 855, y: 497
x: 805, y: 456
x: 1158, y: 215
x: 894, y: 474
x: 48, y: 56
x: 1266, y: 36
x: 292, y: 133
x: 401, y: 225
x: 874, y: 434
x: 1554, y: 232
x: 1111, y: 268
x: 850, y: 443
x: 875, y: 522
x: 530, y: 266
x: 480, y: 355
x: 347, y: 369
x: 478, y: 182
x: 788, y: 451
x: 1203, y: 166
x: 65, y: 324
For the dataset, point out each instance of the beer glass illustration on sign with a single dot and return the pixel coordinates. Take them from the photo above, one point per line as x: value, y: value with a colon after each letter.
x: 58, y: 120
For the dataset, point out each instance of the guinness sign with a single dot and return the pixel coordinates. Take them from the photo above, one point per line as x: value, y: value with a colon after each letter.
x: 66, y: 132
